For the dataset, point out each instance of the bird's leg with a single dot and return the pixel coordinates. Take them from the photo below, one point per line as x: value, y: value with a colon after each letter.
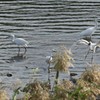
x: 18, y: 50
x: 49, y: 75
x: 25, y: 51
x: 87, y: 53
x: 92, y: 58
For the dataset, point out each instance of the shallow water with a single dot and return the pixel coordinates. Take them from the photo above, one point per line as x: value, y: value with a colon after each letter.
x: 46, y: 24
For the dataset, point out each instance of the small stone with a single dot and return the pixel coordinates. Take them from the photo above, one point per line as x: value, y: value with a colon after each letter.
x: 9, y: 74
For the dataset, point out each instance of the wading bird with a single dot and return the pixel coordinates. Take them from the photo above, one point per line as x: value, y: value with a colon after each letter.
x: 92, y: 46
x: 48, y: 61
x: 19, y: 42
x: 86, y: 34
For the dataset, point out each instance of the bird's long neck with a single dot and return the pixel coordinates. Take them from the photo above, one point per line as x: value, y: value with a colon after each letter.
x: 13, y: 38
x: 96, y: 23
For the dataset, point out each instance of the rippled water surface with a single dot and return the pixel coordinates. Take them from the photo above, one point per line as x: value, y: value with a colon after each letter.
x: 46, y: 24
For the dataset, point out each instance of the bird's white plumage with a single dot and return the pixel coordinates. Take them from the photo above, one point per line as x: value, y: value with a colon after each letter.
x: 83, y: 41
x: 89, y: 31
x: 19, y: 42
x: 48, y: 59
x: 91, y: 45
x: 98, y: 44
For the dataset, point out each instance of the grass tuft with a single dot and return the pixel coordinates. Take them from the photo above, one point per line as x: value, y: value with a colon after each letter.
x: 62, y: 59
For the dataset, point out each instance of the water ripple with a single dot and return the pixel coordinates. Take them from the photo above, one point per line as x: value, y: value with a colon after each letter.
x: 46, y: 24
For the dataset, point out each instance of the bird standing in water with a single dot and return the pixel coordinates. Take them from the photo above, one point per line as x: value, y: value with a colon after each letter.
x: 48, y: 61
x: 19, y: 42
x: 92, y: 46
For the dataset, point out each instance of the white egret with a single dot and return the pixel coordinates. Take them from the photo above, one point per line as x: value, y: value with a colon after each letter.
x: 86, y: 34
x: 48, y: 61
x: 19, y: 42
x: 92, y: 46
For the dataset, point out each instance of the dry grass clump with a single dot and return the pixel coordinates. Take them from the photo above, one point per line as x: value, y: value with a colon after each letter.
x: 82, y: 93
x: 36, y: 91
x: 62, y: 59
x: 88, y: 89
x: 61, y: 90
x: 92, y: 75
x: 83, y: 83
x: 65, y: 84
x: 90, y: 82
x: 3, y: 95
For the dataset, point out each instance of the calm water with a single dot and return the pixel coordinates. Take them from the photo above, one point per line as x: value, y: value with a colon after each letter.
x: 46, y: 24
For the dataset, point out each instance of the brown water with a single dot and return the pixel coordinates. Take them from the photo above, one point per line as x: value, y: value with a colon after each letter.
x: 46, y: 25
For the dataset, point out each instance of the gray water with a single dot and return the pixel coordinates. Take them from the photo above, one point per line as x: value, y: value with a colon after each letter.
x: 46, y: 25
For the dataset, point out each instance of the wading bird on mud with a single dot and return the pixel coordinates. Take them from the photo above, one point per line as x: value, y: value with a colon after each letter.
x: 92, y: 47
x: 19, y: 42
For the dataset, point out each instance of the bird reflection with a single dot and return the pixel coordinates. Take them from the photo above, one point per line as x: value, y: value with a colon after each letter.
x: 17, y: 58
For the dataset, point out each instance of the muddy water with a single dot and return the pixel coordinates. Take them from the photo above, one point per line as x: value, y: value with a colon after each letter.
x: 46, y: 25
